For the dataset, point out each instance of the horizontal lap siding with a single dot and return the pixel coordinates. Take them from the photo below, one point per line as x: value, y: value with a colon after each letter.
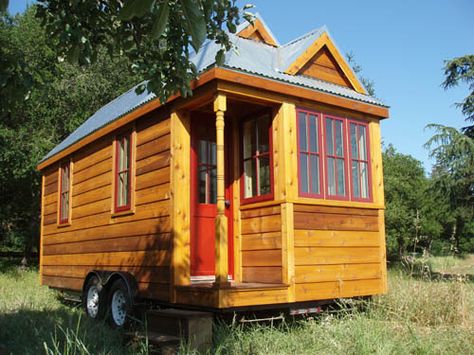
x: 337, y: 252
x: 138, y: 243
x: 261, y: 245
x: 50, y: 197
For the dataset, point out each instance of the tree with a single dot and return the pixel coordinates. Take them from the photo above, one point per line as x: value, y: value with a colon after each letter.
x: 460, y: 70
x: 453, y: 181
x: 368, y: 83
x: 453, y: 171
x: 413, y: 215
x: 60, y: 97
x: 155, y: 35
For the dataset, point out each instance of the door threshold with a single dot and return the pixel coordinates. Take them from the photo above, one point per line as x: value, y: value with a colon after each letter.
x: 206, y: 279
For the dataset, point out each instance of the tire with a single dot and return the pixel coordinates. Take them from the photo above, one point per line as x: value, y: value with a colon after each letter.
x: 119, y: 305
x: 94, y: 299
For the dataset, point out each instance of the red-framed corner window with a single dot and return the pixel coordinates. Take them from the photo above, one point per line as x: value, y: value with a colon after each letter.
x: 257, y: 161
x: 335, y: 158
x: 310, y: 178
x: 64, y: 192
x: 361, y: 184
x: 123, y: 176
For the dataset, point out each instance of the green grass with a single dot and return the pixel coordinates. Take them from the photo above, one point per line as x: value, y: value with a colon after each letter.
x: 416, y: 317
x: 32, y: 319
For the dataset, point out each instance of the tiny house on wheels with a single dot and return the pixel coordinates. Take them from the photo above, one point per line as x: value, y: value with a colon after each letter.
x: 264, y: 188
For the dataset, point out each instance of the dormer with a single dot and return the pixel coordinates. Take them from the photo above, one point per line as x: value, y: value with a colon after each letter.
x: 257, y: 31
x: 320, y: 59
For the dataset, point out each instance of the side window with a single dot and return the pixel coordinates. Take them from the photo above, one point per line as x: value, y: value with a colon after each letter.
x: 359, y: 164
x: 336, y: 179
x: 333, y: 157
x: 256, y: 155
x: 123, y: 178
x: 309, y: 154
x: 64, y: 193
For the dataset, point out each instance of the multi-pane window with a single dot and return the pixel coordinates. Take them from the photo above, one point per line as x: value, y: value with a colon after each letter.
x: 64, y: 193
x: 123, y: 173
x: 207, y: 164
x: 335, y: 157
x: 256, y: 158
x: 309, y: 158
x: 359, y: 160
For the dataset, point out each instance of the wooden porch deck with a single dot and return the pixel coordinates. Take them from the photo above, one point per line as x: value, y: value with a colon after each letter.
x: 207, y: 294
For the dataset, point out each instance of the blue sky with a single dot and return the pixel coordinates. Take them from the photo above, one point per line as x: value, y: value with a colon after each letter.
x: 401, y: 45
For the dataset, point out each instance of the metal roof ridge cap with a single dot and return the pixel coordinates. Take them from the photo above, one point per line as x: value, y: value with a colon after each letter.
x: 321, y: 29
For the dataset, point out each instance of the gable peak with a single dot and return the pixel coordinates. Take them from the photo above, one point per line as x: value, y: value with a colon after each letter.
x: 257, y: 31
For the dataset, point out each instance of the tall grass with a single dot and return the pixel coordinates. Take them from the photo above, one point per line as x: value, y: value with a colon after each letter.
x: 34, y: 321
x: 417, y: 316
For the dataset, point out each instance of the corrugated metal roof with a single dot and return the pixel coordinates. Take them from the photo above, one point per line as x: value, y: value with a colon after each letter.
x: 115, y: 109
x: 248, y: 56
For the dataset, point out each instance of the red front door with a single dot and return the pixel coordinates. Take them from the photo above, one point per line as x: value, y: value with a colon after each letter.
x: 204, y: 195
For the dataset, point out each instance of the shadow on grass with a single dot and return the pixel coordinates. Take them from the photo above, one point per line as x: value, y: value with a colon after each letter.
x: 31, y: 331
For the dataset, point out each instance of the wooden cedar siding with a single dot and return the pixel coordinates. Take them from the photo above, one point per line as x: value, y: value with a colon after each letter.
x: 337, y: 252
x: 138, y: 242
x: 261, y: 245
x: 323, y: 66
x: 50, y: 197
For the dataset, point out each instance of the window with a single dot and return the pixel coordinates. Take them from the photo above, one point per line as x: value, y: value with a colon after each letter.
x: 333, y: 157
x: 123, y: 173
x: 359, y: 160
x: 336, y: 183
x: 207, y: 164
x: 64, y: 192
x: 309, y: 154
x: 257, y: 171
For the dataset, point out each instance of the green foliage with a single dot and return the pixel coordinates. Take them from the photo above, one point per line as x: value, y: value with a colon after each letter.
x: 60, y: 97
x: 155, y: 36
x: 411, y: 215
x: 461, y: 70
x: 453, y: 183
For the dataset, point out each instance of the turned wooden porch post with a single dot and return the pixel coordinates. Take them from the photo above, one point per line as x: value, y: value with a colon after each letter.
x: 221, y: 251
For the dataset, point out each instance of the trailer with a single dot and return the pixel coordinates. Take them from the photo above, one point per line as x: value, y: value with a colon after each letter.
x: 262, y: 189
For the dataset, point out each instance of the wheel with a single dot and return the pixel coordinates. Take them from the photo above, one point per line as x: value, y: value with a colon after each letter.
x: 120, y: 304
x: 94, y: 299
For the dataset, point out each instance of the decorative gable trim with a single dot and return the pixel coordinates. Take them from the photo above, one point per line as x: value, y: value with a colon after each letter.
x: 257, y: 31
x: 324, y: 41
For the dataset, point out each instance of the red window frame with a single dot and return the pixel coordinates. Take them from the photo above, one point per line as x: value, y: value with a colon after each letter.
x: 268, y: 196
x: 336, y: 157
x: 358, y: 123
x: 310, y: 153
x: 64, y: 190
x: 118, y: 172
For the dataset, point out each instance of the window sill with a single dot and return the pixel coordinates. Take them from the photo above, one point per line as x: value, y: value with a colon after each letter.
x: 63, y: 225
x: 122, y: 213
x: 257, y: 199
x: 336, y: 203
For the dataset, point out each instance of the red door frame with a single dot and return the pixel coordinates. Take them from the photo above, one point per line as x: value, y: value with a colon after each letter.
x: 197, y: 208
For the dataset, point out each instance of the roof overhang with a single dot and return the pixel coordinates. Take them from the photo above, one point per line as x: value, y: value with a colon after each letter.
x: 232, y: 76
